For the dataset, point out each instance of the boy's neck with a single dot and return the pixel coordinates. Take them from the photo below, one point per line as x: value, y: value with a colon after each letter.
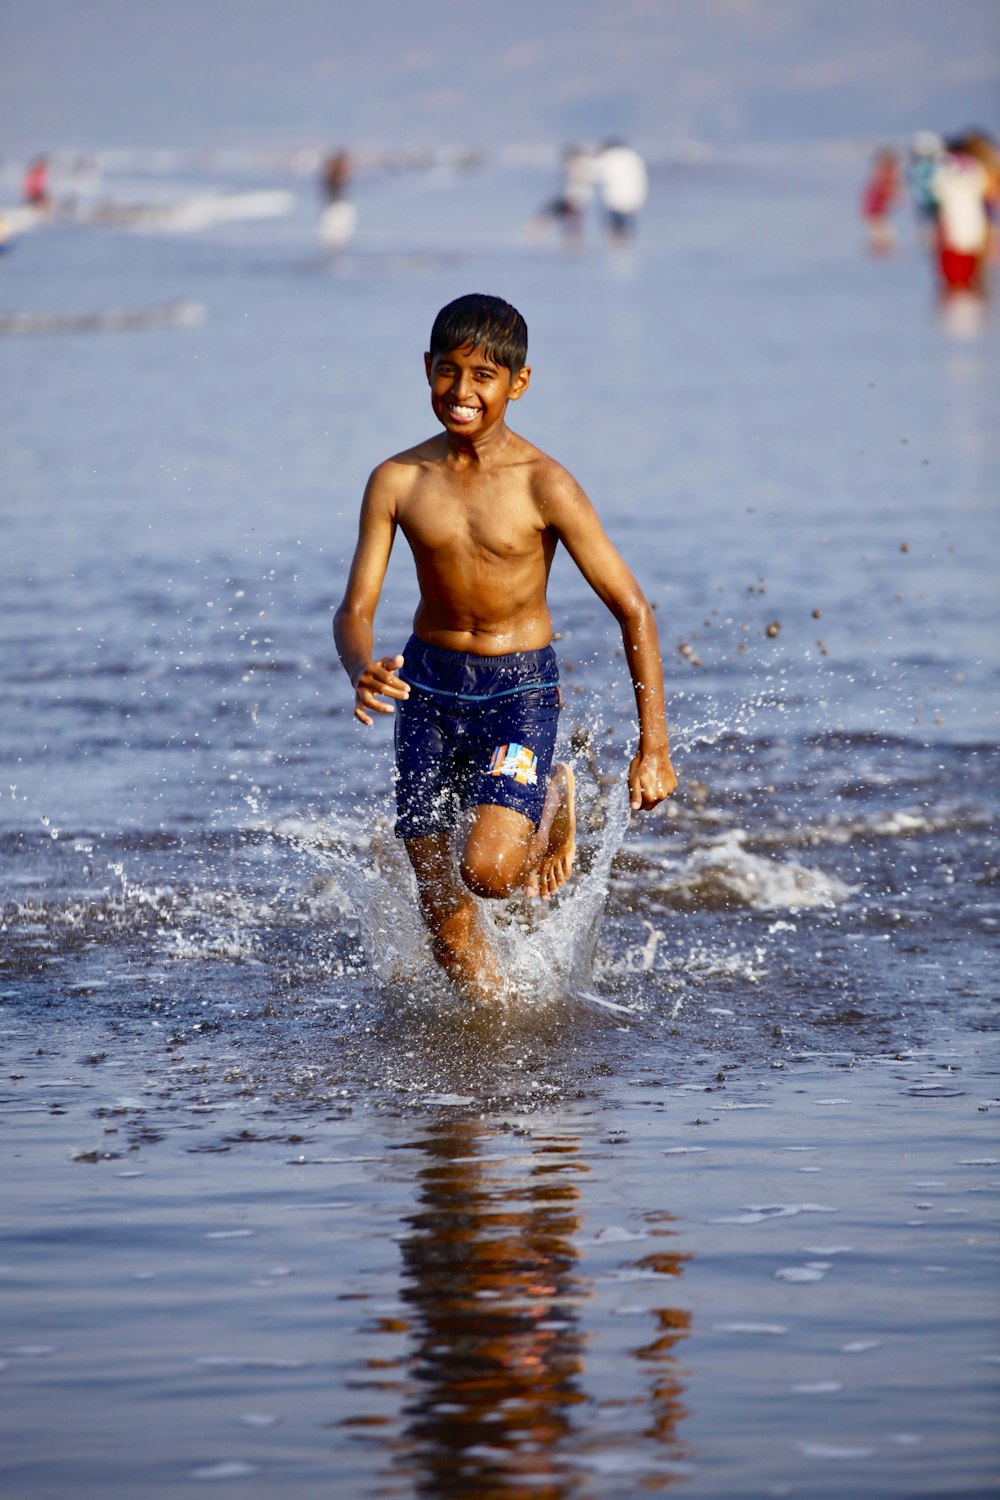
x: 477, y: 450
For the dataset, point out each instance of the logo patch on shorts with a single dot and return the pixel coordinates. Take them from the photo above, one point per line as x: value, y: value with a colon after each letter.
x: 516, y: 761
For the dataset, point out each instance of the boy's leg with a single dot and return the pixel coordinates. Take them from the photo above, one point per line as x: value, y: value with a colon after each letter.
x: 504, y: 850
x: 459, y: 940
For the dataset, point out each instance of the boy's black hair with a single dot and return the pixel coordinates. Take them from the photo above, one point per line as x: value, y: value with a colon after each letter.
x: 480, y: 319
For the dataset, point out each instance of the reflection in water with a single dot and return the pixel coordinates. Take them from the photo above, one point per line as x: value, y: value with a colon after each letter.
x: 673, y: 1325
x: 492, y: 1274
x: 491, y: 1271
x: 963, y: 313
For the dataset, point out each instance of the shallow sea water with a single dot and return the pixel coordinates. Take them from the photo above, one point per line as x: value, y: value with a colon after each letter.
x: 713, y: 1208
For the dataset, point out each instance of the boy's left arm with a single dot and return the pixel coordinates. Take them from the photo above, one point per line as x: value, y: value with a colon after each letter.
x: 572, y: 517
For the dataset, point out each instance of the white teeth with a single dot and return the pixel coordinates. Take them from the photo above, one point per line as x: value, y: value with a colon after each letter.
x: 462, y: 411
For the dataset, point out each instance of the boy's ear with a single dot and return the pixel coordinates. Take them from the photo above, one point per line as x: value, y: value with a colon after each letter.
x: 427, y: 367
x: 519, y: 383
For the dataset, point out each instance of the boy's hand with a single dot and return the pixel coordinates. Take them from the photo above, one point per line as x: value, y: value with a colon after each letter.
x: 378, y: 677
x: 651, y: 777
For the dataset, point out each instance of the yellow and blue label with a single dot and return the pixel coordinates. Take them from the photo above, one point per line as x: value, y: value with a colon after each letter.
x: 516, y: 761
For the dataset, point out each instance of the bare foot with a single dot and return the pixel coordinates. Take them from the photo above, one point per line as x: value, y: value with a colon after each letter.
x: 558, y: 829
x: 464, y: 951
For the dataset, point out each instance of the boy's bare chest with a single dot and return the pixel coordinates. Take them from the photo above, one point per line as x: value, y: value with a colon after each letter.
x: 486, y: 516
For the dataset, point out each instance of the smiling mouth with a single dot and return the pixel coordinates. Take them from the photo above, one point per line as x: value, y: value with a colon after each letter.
x: 461, y: 413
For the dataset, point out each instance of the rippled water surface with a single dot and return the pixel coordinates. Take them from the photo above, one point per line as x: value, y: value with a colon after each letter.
x: 713, y: 1207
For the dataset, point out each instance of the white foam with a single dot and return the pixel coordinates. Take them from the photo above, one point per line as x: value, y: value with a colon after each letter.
x: 229, y: 1469
x: 893, y: 823
x: 240, y: 1362
x: 725, y: 874
x: 192, y: 215
x: 772, y: 1330
x: 699, y: 963
x: 832, y: 1451
x: 756, y: 1213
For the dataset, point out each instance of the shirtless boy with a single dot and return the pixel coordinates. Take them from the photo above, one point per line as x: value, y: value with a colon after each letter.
x: 480, y: 805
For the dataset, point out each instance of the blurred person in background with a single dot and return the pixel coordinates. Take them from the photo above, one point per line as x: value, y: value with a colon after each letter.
x: 35, y: 190
x: 569, y: 208
x: 340, y: 217
x: 962, y: 188
x: 879, y: 199
x: 926, y: 149
x: 984, y: 148
x: 624, y: 187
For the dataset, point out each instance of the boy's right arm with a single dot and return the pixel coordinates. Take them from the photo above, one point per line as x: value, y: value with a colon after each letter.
x: 354, y: 621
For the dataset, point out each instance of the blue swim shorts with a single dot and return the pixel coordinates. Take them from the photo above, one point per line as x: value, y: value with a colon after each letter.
x: 474, y: 730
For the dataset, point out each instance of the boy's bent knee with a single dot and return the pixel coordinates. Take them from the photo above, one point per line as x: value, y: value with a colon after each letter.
x: 493, y: 874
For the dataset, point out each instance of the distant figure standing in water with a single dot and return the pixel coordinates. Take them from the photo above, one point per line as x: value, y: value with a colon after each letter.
x: 961, y: 188
x: 569, y: 209
x: 480, y: 805
x: 340, y: 217
x: 879, y: 200
x: 35, y: 190
x: 624, y: 187
x: 925, y: 153
x: 985, y: 150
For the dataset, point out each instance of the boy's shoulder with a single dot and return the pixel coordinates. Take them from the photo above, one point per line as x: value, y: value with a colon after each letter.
x: 400, y: 471
x: 542, y: 475
x: 429, y: 451
x: 545, y: 475
x: 549, y: 479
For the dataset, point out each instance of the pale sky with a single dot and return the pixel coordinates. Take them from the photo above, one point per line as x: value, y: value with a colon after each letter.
x: 92, y: 73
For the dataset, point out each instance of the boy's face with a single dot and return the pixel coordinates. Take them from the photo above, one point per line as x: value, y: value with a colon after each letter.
x: 470, y: 391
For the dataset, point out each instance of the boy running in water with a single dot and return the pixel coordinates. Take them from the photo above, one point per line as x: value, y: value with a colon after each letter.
x: 480, y: 806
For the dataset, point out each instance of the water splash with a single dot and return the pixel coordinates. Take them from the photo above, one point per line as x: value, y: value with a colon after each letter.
x: 546, y: 950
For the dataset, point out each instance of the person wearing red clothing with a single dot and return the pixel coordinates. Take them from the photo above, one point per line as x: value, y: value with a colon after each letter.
x: 881, y: 195
x: 961, y: 188
x: 36, y: 184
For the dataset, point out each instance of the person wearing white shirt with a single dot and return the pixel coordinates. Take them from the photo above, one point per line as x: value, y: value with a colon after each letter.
x: 624, y: 187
